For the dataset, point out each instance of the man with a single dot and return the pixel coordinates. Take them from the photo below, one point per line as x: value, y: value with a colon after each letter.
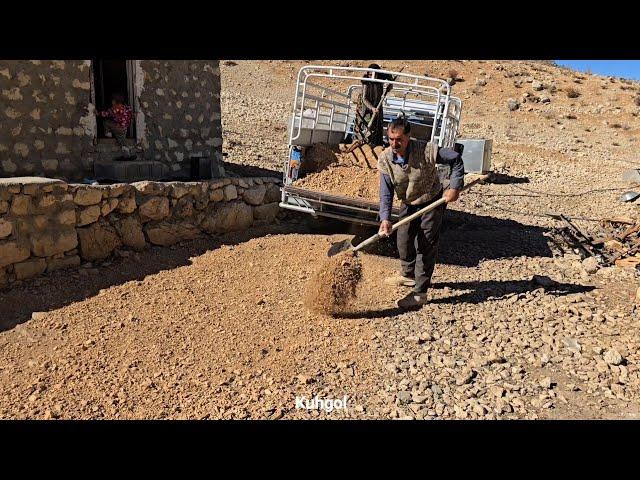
x: 408, y: 168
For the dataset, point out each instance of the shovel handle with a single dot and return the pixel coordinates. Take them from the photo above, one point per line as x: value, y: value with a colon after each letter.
x: 413, y: 216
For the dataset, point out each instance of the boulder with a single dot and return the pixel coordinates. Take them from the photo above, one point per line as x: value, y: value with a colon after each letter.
x: 30, y: 268
x: 11, y: 252
x: 149, y: 188
x: 230, y: 192
x: 6, y: 228
x: 86, y: 196
x: 266, y: 213
x: 169, y: 233
x: 63, y: 263
x: 255, y: 195
x: 127, y: 205
x: 51, y: 243
x: 154, y: 208
x: 273, y: 193
x: 98, y: 241
x: 88, y: 215
x: 229, y: 217
x: 131, y: 234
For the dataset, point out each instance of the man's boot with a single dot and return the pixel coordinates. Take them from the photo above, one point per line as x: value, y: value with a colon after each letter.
x: 413, y: 300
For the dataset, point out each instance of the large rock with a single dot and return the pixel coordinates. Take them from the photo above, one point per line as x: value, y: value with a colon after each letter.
x: 127, y: 205
x: 180, y: 189
x: 4, y: 206
x: 513, y: 104
x: 266, y: 213
x: 86, y: 196
x: 63, y: 263
x: 51, y: 243
x: 216, y: 195
x: 229, y: 217
x: 149, y: 188
x: 154, y: 208
x: 108, y: 206
x: 184, y: 207
x: 590, y: 265
x: 117, y: 189
x: 11, y: 252
x: 273, y: 193
x: 88, y: 215
x: 255, y: 195
x: 168, y: 233
x: 98, y: 241
x: 230, y: 192
x: 67, y: 217
x: 6, y: 228
x: 131, y: 233
x: 21, y: 205
x: 30, y: 268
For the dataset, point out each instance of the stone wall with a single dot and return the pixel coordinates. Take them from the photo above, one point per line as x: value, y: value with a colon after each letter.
x: 48, y: 123
x: 180, y: 100
x: 46, y: 224
x: 44, y: 127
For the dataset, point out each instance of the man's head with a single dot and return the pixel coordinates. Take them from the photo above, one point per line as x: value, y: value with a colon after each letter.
x: 117, y: 99
x: 398, y: 134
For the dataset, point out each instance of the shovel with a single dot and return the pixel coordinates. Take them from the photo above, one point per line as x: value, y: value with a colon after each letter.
x: 346, y: 245
x: 632, y: 175
x: 629, y: 196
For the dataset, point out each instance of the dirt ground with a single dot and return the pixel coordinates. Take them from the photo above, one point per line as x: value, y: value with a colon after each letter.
x: 216, y: 328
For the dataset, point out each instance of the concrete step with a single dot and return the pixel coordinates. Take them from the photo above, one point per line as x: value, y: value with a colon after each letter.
x: 129, y: 171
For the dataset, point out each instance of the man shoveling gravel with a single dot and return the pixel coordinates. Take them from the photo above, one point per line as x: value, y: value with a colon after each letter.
x: 408, y: 168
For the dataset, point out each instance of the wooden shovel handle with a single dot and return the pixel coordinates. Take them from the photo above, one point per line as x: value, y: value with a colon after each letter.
x: 413, y: 216
x: 435, y: 204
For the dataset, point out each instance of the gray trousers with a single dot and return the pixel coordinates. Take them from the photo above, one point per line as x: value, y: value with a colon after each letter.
x: 418, y: 243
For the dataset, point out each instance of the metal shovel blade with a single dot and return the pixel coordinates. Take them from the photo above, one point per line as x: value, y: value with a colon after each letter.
x: 338, y: 247
x: 632, y: 175
x: 629, y: 196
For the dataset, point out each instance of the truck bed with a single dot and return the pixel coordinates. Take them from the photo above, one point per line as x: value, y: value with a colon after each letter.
x: 334, y: 206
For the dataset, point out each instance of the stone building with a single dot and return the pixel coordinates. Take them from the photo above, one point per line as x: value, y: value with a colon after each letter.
x: 48, y: 125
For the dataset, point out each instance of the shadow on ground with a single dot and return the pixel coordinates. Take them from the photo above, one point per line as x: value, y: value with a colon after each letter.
x: 62, y: 288
x: 480, y: 291
x: 467, y: 238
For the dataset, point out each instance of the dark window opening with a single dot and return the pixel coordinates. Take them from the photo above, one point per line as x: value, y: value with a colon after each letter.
x: 109, y: 77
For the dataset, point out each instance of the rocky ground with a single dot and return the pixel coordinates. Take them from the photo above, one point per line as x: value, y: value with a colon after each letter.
x: 216, y: 328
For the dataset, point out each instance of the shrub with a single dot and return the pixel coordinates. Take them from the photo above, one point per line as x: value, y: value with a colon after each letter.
x: 572, y: 92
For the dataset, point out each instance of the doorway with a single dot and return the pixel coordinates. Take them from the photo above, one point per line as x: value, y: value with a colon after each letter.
x: 109, y: 77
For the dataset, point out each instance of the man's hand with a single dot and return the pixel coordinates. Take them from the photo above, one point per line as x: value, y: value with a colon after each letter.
x: 385, y: 228
x: 451, y: 195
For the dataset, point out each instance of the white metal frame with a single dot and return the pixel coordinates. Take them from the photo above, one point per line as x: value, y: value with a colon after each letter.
x: 321, y: 108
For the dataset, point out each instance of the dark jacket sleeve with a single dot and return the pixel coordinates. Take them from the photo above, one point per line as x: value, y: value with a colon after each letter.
x: 386, y: 196
x: 448, y: 156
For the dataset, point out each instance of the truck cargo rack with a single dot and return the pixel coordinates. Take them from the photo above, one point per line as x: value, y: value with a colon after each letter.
x: 331, y: 205
x: 324, y: 111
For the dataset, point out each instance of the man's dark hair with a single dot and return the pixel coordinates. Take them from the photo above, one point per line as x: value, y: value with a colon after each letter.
x: 401, y: 122
x: 117, y: 97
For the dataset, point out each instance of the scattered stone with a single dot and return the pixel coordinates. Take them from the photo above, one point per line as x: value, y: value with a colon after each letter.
x: 590, y: 265
x: 612, y: 357
x: 513, y: 104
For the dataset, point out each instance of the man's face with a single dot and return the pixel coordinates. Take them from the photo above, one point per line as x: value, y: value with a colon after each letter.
x: 398, y: 140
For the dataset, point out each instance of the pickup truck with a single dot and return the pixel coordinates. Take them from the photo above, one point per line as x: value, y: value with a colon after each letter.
x: 324, y: 111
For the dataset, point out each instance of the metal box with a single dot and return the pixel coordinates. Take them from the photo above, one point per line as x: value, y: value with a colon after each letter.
x: 476, y: 154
